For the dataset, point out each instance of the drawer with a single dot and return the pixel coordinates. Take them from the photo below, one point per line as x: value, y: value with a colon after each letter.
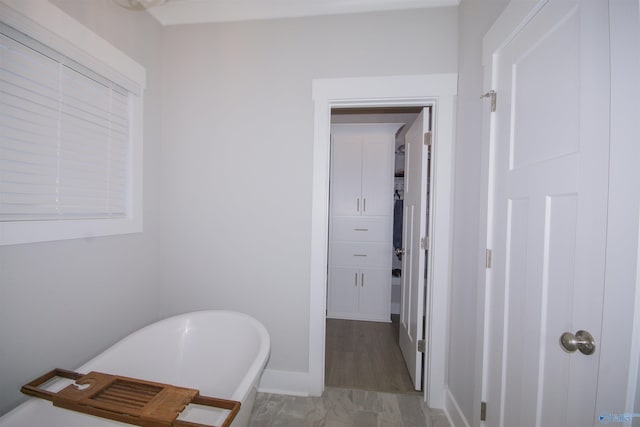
x: 365, y: 229
x: 361, y: 254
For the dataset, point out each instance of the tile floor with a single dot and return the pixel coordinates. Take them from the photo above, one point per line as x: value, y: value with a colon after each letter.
x: 340, y: 407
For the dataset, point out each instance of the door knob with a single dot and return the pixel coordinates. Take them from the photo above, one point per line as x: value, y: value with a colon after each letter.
x: 400, y: 251
x: 582, y: 341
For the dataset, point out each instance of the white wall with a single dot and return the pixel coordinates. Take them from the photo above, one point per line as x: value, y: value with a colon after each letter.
x: 237, y: 153
x: 227, y: 183
x: 63, y: 302
x: 475, y: 19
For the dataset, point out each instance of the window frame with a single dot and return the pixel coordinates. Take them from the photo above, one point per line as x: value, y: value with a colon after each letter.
x: 52, y: 27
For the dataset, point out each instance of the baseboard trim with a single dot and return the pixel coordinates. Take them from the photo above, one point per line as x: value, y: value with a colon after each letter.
x: 284, y: 382
x: 453, y: 412
x: 395, y: 308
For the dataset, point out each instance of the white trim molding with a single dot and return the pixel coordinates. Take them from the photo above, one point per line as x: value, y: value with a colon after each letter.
x: 284, y: 382
x: 453, y: 412
x: 201, y: 11
x: 439, y: 91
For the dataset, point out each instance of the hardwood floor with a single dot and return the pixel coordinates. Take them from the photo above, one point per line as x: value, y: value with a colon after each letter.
x: 366, y: 356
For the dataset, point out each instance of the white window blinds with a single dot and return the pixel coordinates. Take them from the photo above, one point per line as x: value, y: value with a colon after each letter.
x: 64, y: 136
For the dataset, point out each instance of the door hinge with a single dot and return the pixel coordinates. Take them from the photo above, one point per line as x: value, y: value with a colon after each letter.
x: 427, y: 138
x: 424, y: 243
x: 487, y: 260
x: 493, y: 95
x: 422, y: 346
x: 483, y: 411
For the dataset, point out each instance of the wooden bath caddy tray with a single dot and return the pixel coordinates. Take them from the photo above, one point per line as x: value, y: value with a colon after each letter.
x: 128, y: 400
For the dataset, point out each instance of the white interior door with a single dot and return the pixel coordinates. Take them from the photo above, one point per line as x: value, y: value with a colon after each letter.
x: 414, y: 259
x: 549, y: 193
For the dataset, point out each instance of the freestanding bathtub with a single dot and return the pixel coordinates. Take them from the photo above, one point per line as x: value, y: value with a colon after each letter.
x: 220, y: 353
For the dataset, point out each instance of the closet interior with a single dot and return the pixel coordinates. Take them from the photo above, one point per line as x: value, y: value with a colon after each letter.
x: 365, y: 248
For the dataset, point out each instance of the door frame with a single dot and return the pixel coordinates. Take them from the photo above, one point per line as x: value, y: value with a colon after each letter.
x: 439, y: 91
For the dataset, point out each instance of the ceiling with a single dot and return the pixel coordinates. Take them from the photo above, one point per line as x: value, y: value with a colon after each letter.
x: 176, y: 12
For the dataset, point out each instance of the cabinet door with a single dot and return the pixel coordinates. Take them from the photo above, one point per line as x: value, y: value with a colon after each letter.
x: 375, y: 293
x: 346, y: 175
x: 377, y: 175
x: 344, y: 284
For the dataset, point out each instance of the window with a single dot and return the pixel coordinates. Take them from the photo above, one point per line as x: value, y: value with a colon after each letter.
x: 69, y: 143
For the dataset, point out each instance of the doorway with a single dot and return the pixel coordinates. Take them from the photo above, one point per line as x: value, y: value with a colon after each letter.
x: 355, y: 346
x: 438, y: 90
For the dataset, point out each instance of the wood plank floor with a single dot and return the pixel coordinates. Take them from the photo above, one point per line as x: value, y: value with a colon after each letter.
x: 366, y: 356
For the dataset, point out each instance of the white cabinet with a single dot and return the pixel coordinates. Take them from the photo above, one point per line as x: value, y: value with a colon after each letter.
x: 359, y: 294
x: 361, y: 202
x: 362, y: 170
x: 343, y: 295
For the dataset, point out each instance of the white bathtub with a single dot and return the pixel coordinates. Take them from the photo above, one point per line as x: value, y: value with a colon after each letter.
x: 220, y: 353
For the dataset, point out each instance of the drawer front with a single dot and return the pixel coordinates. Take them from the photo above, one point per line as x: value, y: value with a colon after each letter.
x: 361, y: 254
x: 362, y: 229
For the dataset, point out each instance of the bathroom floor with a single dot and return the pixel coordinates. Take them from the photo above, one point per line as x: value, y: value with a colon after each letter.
x: 367, y: 385
x: 340, y: 407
